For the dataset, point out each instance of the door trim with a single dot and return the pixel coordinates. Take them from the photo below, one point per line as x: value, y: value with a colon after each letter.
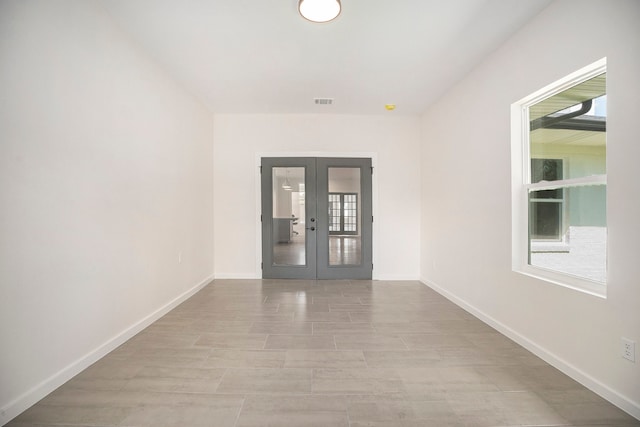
x: 258, y: 198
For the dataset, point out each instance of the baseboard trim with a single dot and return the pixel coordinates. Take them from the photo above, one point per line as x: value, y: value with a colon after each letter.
x: 604, y: 391
x: 31, y: 397
x: 250, y: 276
x: 247, y: 276
x: 394, y: 278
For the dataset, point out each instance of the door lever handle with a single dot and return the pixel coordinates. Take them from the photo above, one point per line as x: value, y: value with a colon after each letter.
x: 311, y: 228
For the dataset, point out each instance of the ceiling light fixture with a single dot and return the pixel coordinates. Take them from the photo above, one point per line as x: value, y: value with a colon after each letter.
x: 286, y: 186
x: 319, y: 10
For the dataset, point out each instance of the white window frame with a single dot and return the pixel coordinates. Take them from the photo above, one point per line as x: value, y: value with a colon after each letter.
x: 521, y: 183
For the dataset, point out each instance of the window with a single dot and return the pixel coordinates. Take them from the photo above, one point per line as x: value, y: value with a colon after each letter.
x: 559, y: 181
x: 546, y: 207
x: 343, y: 213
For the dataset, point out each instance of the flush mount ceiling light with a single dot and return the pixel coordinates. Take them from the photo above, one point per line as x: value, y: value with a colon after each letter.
x: 319, y: 10
x: 286, y: 186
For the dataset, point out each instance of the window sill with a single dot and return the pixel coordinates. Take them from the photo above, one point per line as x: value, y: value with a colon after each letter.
x: 565, y: 280
x: 542, y: 247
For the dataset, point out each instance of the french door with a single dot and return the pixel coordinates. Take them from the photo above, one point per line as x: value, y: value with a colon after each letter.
x: 316, y: 218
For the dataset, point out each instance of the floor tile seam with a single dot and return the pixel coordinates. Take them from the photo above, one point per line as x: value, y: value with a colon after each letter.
x: 404, y: 342
x: 364, y: 356
x: 264, y: 344
x: 381, y: 394
x: 221, y: 379
x: 555, y: 425
x: 174, y: 392
x: 422, y: 333
x: 244, y: 399
x: 258, y: 368
x: 298, y: 334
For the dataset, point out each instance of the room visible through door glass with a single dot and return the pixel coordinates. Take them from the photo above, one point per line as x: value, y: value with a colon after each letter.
x: 345, y: 239
x: 288, y: 216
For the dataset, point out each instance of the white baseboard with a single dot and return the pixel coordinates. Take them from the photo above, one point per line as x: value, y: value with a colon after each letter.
x: 228, y: 276
x: 604, y: 391
x: 29, y: 398
x: 253, y: 277
x: 396, y: 277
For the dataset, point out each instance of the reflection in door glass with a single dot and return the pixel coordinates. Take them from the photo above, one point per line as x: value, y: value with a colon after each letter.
x: 288, y: 216
x: 344, y: 216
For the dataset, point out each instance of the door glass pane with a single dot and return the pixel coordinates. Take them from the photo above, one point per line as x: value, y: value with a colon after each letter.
x: 288, y: 216
x: 344, y: 216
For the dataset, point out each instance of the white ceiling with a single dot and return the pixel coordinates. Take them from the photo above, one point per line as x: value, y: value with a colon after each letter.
x: 261, y: 56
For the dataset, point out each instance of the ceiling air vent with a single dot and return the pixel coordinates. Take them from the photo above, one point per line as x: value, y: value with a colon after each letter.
x: 323, y: 101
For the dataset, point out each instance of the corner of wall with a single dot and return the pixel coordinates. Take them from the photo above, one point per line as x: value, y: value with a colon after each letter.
x: 32, y: 396
x: 569, y: 369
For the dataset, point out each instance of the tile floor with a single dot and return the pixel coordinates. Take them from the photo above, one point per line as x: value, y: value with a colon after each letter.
x: 327, y: 353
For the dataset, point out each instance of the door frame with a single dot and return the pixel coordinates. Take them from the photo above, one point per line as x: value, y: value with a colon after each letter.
x: 258, y: 199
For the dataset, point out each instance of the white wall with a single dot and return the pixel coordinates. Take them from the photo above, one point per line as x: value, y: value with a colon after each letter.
x: 466, y: 219
x: 395, y: 140
x: 105, y: 175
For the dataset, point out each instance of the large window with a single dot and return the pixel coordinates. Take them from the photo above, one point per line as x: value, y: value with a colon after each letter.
x: 559, y: 181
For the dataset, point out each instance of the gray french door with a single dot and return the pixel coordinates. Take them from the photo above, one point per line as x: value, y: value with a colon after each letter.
x: 316, y: 218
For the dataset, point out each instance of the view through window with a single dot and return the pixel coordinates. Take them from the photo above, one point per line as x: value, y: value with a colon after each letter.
x: 566, y: 183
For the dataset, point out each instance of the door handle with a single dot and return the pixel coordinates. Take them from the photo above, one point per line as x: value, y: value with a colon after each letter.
x: 311, y: 228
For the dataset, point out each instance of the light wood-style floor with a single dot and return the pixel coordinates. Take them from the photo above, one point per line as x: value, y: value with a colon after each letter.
x: 343, y: 250
x: 321, y: 353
